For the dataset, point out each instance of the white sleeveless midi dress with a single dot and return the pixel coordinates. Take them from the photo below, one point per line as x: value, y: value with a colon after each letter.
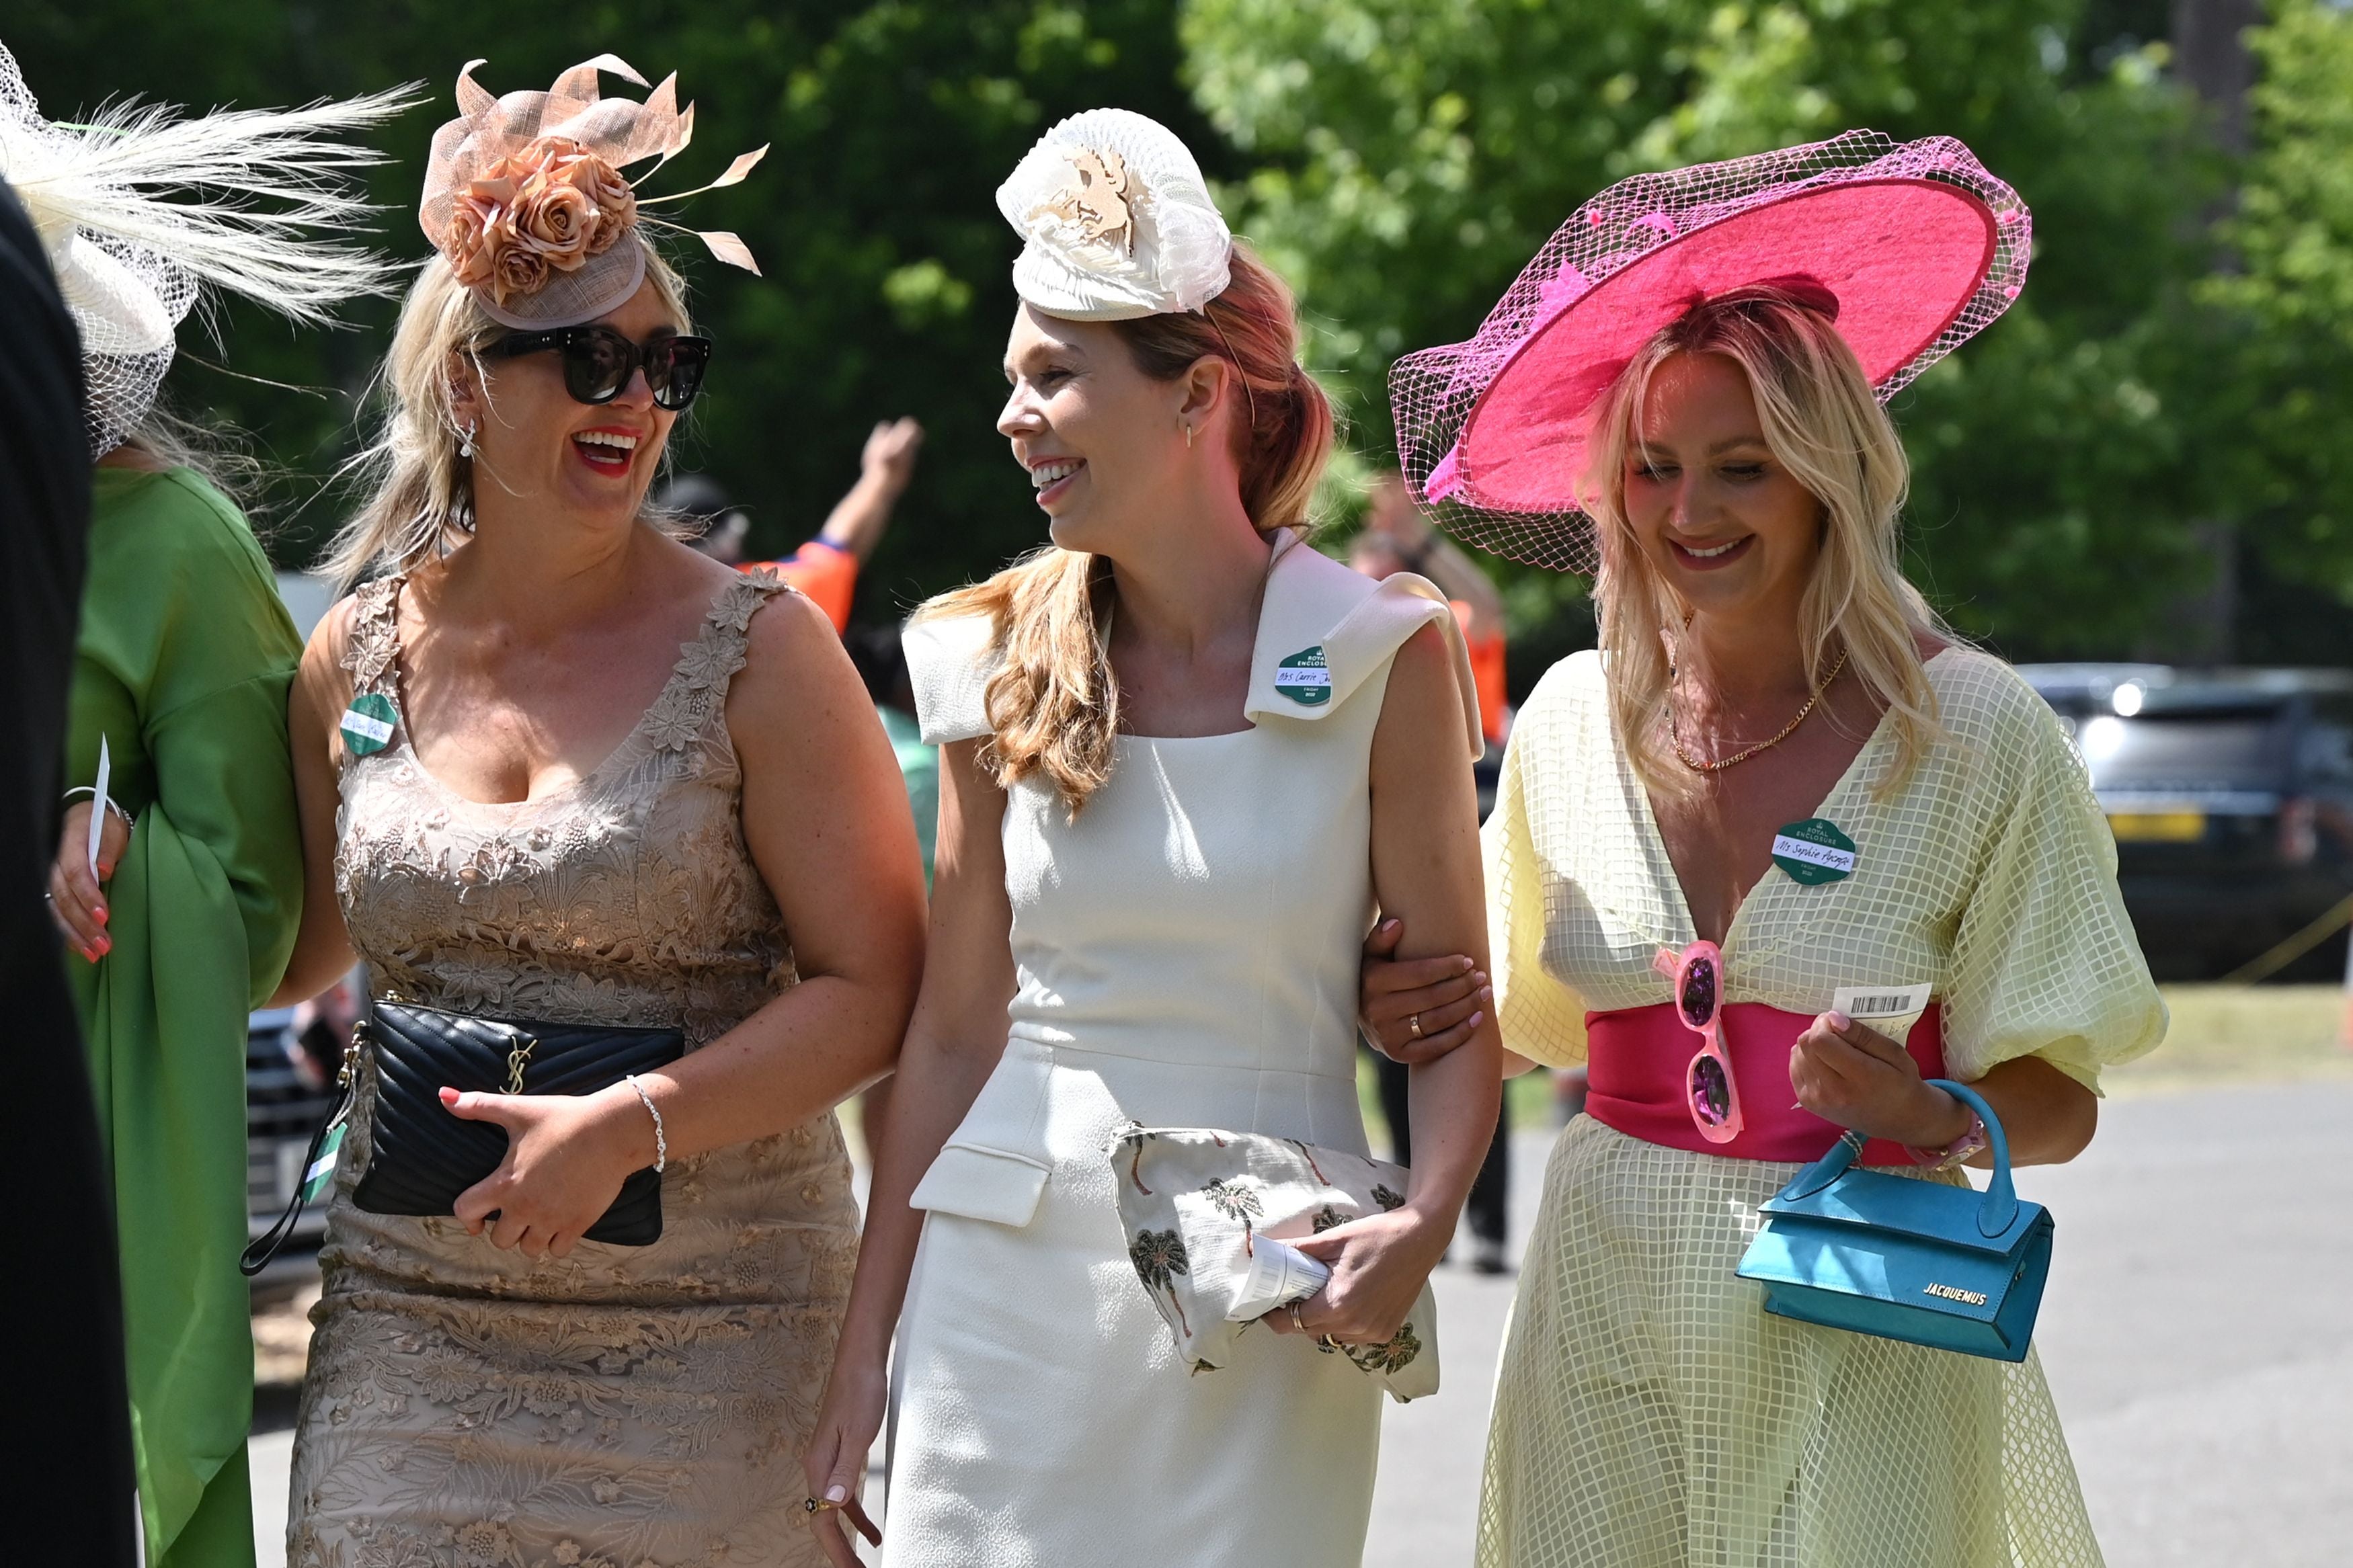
x: 1187, y: 955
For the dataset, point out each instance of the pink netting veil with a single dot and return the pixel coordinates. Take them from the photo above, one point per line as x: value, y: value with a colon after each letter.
x: 1918, y: 245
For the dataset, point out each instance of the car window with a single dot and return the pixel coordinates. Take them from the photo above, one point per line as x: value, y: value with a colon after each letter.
x: 2326, y: 755
x: 2231, y: 751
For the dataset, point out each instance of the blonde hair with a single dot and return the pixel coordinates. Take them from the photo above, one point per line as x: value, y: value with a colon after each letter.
x: 1053, y: 704
x: 422, y: 491
x: 1824, y: 425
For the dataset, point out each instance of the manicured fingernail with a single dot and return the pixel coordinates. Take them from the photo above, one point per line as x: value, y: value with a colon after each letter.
x: 836, y: 1494
x: 1389, y: 925
x: 1840, y: 1021
x: 100, y: 913
x: 1486, y: 994
x: 1467, y: 965
x: 1477, y: 1019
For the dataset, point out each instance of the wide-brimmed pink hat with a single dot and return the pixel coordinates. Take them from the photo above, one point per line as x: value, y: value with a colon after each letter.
x: 1915, y: 246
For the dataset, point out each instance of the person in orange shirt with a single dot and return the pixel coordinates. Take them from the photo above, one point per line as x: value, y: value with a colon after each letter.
x: 1397, y: 538
x: 826, y: 568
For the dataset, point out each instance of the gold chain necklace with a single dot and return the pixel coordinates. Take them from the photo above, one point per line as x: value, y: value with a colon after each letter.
x: 1701, y: 765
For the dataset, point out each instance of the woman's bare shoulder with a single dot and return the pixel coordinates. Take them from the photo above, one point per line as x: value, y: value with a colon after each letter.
x: 1424, y: 697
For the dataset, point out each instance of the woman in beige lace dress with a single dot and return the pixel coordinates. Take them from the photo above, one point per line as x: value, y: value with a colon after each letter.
x: 621, y: 784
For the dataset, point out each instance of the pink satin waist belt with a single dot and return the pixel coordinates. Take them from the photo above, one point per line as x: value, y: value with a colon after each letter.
x: 1635, y: 1062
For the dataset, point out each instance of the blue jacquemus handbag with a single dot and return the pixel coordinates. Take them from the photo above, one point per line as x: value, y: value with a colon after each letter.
x: 1944, y: 1266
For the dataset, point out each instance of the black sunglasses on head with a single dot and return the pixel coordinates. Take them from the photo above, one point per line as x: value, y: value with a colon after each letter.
x: 598, y: 363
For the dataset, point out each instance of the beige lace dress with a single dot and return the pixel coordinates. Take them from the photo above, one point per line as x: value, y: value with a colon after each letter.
x: 467, y: 1407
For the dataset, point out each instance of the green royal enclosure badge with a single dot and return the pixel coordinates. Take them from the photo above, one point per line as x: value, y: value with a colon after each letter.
x: 368, y: 723
x: 1813, y: 852
x: 1304, y: 678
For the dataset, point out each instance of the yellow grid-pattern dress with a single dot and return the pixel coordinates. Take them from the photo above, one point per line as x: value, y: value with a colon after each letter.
x: 1649, y: 1413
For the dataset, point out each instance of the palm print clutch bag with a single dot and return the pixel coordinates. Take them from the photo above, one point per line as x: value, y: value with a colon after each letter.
x: 1207, y: 1214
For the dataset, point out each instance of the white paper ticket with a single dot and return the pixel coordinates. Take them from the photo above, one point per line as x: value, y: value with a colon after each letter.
x: 1279, y: 1274
x: 97, y: 804
x: 1890, y: 1009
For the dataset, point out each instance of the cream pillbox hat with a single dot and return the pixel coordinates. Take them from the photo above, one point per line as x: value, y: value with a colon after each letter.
x: 1118, y: 220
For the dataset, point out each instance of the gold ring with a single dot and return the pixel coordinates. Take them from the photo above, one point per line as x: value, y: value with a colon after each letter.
x: 1413, y: 1024
x: 1294, y: 1319
x: 817, y: 1505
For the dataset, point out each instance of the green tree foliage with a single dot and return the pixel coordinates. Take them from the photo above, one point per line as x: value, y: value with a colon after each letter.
x: 1411, y: 157
x: 2293, y: 238
x: 887, y: 285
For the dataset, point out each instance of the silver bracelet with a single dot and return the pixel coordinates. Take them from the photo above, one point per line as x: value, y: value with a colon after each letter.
x: 113, y: 805
x: 661, y: 1139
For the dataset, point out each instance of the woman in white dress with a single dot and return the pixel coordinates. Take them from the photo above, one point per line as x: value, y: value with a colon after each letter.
x: 1160, y: 846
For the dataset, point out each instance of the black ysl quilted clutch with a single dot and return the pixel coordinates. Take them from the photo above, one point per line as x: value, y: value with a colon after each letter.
x: 422, y: 1157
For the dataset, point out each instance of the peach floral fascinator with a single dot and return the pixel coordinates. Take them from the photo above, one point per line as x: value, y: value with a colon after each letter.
x: 525, y: 200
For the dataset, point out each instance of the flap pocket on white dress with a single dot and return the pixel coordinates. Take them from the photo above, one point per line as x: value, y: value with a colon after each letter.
x: 994, y: 1184
x: 996, y: 1165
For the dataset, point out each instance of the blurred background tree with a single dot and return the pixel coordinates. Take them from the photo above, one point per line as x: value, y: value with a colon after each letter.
x: 2147, y: 456
x: 2290, y: 284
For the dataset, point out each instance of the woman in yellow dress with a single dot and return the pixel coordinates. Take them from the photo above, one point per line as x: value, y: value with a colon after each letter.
x: 1778, y: 750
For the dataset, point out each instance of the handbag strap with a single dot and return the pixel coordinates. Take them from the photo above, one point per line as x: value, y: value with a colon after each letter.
x: 259, y: 1251
x: 1995, y: 1214
x: 1999, y: 1212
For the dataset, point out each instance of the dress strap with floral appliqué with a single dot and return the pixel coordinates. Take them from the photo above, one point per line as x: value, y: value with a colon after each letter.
x: 372, y: 656
x: 689, y: 718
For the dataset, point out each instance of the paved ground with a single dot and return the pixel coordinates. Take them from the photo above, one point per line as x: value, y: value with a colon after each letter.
x: 2197, y: 1335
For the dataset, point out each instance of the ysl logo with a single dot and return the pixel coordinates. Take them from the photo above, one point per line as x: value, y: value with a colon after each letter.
x: 516, y: 1058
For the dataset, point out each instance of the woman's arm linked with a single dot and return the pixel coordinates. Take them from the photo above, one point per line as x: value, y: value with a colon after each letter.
x: 953, y: 1045
x: 1426, y: 871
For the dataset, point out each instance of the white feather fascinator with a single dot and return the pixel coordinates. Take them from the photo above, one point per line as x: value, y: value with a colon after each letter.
x: 141, y: 210
x: 1118, y: 220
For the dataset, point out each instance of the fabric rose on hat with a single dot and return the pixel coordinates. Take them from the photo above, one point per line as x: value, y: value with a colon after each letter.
x: 616, y: 204
x: 549, y: 207
x: 517, y: 269
x: 469, y: 245
x: 554, y: 220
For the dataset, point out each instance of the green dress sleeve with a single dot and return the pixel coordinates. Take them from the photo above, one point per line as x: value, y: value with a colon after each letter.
x: 184, y: 660
x: 919, y: 765
x: 187, y: 656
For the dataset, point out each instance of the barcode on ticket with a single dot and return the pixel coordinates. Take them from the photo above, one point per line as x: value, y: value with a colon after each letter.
x: 1880, y: 1005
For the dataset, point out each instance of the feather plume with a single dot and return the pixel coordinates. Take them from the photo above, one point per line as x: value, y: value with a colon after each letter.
x: 239, y: 199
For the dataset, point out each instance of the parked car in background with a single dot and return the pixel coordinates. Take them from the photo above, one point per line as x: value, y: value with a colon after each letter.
x: 292, y: 1058
x: 2231, y: 794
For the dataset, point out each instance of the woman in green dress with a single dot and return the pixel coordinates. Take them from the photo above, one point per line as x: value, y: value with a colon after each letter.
x: 182, y: 667
x: 182, y: 919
